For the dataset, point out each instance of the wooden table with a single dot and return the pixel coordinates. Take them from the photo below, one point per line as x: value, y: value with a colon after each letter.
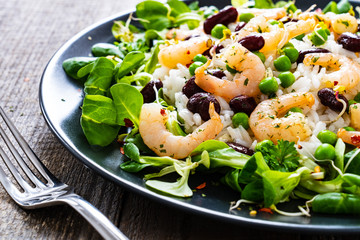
x: 31, y: 32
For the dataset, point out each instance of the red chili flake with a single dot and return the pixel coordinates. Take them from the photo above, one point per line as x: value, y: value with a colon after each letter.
x: 355, y: 139
x: 163, y: 112
x: 299, y: 147
x: 268, y: 210
x: 336, y: 83
x: 128, y: 122
x: 201, y: 186
x: 188, y: 52
x: 122, y: 150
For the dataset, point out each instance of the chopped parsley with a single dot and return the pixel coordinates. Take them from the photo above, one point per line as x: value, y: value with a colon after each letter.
x: 281, y: 157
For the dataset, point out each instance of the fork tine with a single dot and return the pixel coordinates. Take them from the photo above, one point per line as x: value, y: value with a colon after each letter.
x: 9, y: 187
x: 14, y: 171
x: 28, y: 151
x: 19, y: 160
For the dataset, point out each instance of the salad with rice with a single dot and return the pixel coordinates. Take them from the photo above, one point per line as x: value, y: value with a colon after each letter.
x: 262, y: 93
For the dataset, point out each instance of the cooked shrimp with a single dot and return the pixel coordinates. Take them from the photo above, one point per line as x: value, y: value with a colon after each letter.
x: 267, y: 121
x: 278, y: 36
x: 341, y: 23
x: 296, y: 28
x: 275, y: 36
x: 347, y: 71
x: 251, y: 72
x: 317, y: 17
x: 183, y: 52
x: 179, y: 34
x: 272, y: 38
x: 354, y: 111
x: 350, y: 137
x: 272, y: 13
x: 163, y: 143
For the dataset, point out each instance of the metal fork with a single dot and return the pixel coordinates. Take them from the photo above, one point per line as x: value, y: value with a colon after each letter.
x: 51, y: 192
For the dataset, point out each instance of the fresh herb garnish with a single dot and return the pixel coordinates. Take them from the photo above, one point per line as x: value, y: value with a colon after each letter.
x: 282, y: 157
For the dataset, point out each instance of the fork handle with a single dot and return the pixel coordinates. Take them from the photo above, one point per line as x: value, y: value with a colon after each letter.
x: 98, y: 220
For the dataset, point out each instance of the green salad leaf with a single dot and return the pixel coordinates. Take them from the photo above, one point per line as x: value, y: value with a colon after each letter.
x: 264, y: 4
x: 124, y: 31
x: 131, y: 61
x: 128, y: 102
x: 98, y: 120
x: 73, y: 66
x: 106, y: 49
x: 153, y: 15
x: 100, y: 77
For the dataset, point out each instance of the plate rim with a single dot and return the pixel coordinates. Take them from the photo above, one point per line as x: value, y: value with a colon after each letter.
x: 169, y: 201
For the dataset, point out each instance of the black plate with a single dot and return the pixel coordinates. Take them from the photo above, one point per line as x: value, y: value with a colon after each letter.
x: 61, y: 98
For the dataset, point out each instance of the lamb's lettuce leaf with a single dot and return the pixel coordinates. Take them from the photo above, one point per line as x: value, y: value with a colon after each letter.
x: 98, y: 120
x: 128, y: 102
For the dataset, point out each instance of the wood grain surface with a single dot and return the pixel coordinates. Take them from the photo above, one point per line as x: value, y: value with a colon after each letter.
x: 30, y: 33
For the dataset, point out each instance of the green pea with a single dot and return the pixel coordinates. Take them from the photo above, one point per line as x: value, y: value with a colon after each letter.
x: 274, y: 22
x: 327, y: 136
x: 295, y: 109
x: 318, y: 37
x: 194, y: 66
x: 288, y: 44
x: 245, y: 17
x: 242, y: 119
x: 200, y: 58
x: 287, y: 79
x: 218, y: 31
x: 291, y: 53
x: 260, y: 55
x: 268, y: 85
x: 349, y: 129
x: 230, y: 69
x: 325, y: 151
x: 357, y: 97
x: 282, y: 63
x: 300, y: 37
x: 262, y: 144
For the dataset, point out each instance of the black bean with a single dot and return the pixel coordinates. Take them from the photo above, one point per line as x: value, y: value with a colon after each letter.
x: 199, y: 103
x: 240, y: 26
x: 328, y: 98
x: 217, y: 73
x: 311, y: 50
x: 350, y: 41
x: 148, y: 91
x: 253, y: 42
x: 225, y: 16
x: 243, y: 103
x: 191, y: 88
x: 240, y: 148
